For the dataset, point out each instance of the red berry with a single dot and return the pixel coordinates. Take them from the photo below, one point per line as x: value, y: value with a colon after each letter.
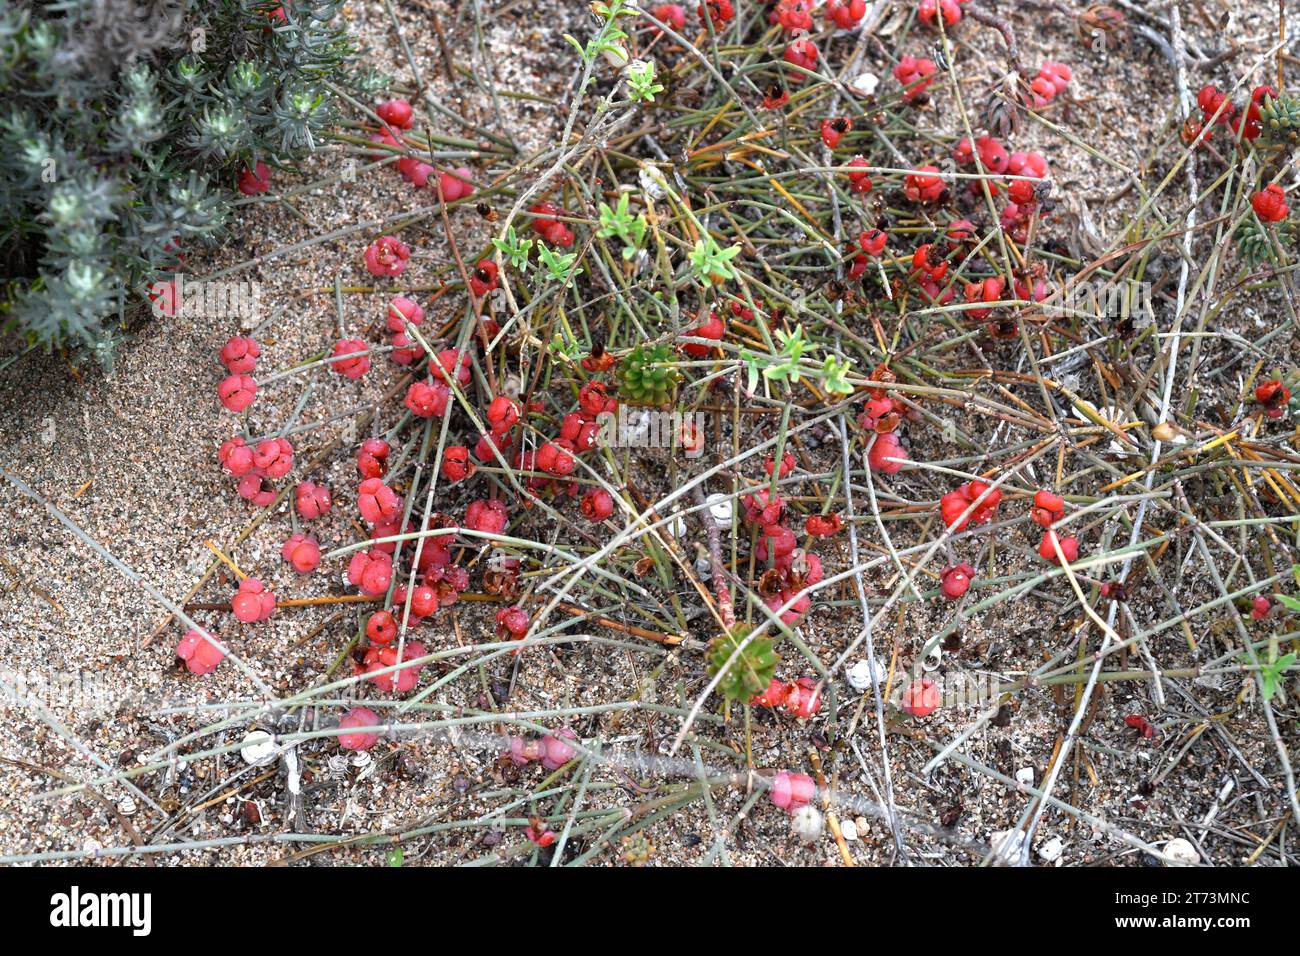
x: 929, y: 12
x: 387, y: 256
x: 502, y: 414
x: 456, y: 463
x: 873, y: 242
x: 354, y: 739
x: 803, y: 54
x: 486, y: 516
x: 846, y: 13
x: 372, y: 458
x: 775, y: 97
x: 719, y: 12
x: 774, y: 696
x: 200, y: 655
x: 235, y: 457
x: 793, y: 16
x: 787, y: 465
x: 428, y: 399
x: 512, y: 623
x: 883, y: 449
x: 396, y: 113
x: 713, y: 328
x: 1047, y: 550
x: 484, y: 278
x: 255, y: 181
x: 301, y: 551
x: 671, y: 14
x: 1260, y: 607
x: 923, y: 185
x: 955, y: 581
x: 915, y: 74
x: 240, y: 354
x: 377, y: 502
x: 371, y: 571
x: 456, y: 184
x: 803, y: 699
x: 921, y: 699
x: 823, y: 526
x: 1270, y: 203
x: 402, y: 310
x: 381, y: 628
x: 597, y: 504
x: 237, y: 392
x: 833, y: 130
x: 1272, y: 394
x: 354, y: 366
x: 1048, y: 508
x: 859, y: 182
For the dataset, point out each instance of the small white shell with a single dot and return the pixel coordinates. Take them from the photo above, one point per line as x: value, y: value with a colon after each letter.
x: 864, y: 84
x: 721, y: 508
x: 807, y: 824
x: 859, y: 675
x: 1179, y: 852
x: 1025, y: 776
x: 258, y: 748
x: 849, y: 830
x: 1051, y: 851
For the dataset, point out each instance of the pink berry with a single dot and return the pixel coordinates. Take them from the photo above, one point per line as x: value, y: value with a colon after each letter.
x: 236, y: 457
x: 402, y: 310
x: 381, y: 628
x: 377, y: 502
x: 371, y: 571
x: 358, y: 740
x: 312, y: 500
x: 557, y: 751
x: 456, y: 184
x: 200, y: 655
x: 301, y: 551
x: 240, y: 354
x: 237, y: 392
x: 921, y: 699
x: 355, y: 365
x: 273, y: 457
x: 1260, y: 607
x: 252, y: 602
x: 791, y: 791
x: 512, y: 623
x: 387, y: 256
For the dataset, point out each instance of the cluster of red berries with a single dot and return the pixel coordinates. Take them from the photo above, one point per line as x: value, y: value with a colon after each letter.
x: 881, y: 416
x: 1052, y: 79
x: 1274, y: 396
x: 930, y: 12
x: 800, y: 698
x: 915, y: 74
x: 552, y: 751
x: 239, y: 355
x: 272, y: 458
x: 792, y: 570
x: 1217, y: 108
x: 398, y: 117
x: 549, y: 227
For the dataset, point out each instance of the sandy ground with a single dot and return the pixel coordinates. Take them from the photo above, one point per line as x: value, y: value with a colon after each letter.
x: 130, y: 457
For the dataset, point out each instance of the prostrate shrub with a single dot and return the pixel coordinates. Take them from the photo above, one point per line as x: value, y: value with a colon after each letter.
x: 126, y: 124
